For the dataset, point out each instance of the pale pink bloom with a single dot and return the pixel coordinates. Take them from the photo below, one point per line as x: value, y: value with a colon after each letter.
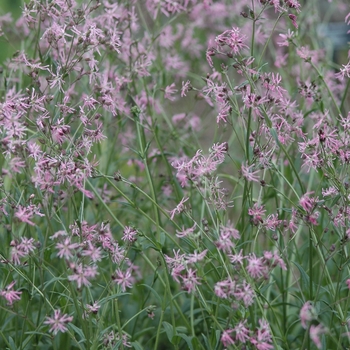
x: 307, y: 202
x: 307, y: 313
x: 248, y: 173
x: 179, y: 208
x: 195, y: 257
x: 82, y: 274
x: 185, y: 232
x: 242, y: 333
x: 286, y: 38
x: 256, y: 267
x: 129, y: 234
x: 304, y: 53
x: 245, y: 293
x: 316, y: 332
x: 186, y: 86
x: 233, y: 39
x: 345, y: 71
x: 58, y: 322
x: 257, y: 212
x: 226, y: 337
x: 263, y: 339
x: 9, y: 294
x: 190, y: 280
x: 93, y: 308
x: 25, y: 213
x: 57, y: 79
x: 27, y: 245
x: 123, y: 279
x: 67, y: 249
x: 237, y: 258
x: 170, y: 91
x: 93, y: 252
x: 225, y: 289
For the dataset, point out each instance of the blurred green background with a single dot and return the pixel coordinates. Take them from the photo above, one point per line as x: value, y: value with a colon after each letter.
x: 14, y: 7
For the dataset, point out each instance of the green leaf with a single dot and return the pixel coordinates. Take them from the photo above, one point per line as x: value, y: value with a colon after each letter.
x: 169, y: 330
x: 304, y: 276
x: 153, y: 291
x: 206, y: 341
x: 136, y: 345
x: 12, y: 344
x: 78, y: 331
x: 113, y: 296
x: 188, y: 340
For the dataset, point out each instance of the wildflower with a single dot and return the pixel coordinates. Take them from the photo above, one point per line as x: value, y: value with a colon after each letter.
x: 193, y: 258
x: 307, y: 202
x: 263, y: 339
x: 82, y: 275
x: 237, y: 258
x: 242, y: 333
x: 286, y: 38
x: 345, y: 71
x: 66, y: 248
x: 316, y: 332
x: 224, y: 289
x: 307, y: 313
x: 186, y: 232
x: 248, y: 173
x: 256, y: 267
x: 93, y: 308
x: 123, y: 279
x: 233, y: 39
x: 257, y: 213
x: 226, y: 338
x: 9, y: 294
x: 179, y: 208
x: 186, y: 86
x: 190, y: 281
x: 170, y: 91
x: 93, y: 252
x: 58, y: 322
x: 246, y: 293
x: 293, y: 18
x: 129, y: 234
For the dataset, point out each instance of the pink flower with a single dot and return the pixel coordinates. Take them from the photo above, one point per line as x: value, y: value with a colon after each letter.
x: 170, y: 91
x: 256, y: 268
x: 233, y: 39
x: 257, y: 213
x: 190, y: 281
x: 242, y: 333
x: 83, y: 274
x: 9, y: 294
x: 293, y: 18
x: 307, y: 202
x: 224, y: 289
x: 226, y: 338
x: 248, y: 173
x: 186, y: 86
x: 129, y: 234
x: 345, y: 71
x: 316, y: 332
x: 58, y: 322
x: 286, y: 38
x: 179, y: 208
x: 307, y: 313
x: 66, y: 249
x: 124, y: 279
